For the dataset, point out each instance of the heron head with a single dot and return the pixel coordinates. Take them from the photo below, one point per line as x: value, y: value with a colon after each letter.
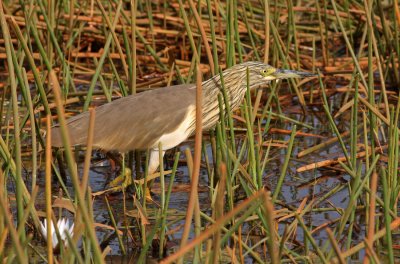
x: 261, y: 73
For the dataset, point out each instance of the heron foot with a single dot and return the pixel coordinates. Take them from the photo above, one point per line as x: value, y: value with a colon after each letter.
x: 123, y: 180
x: 147, y: 195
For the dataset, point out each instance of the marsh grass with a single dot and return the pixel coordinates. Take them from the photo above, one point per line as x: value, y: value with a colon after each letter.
x: 336, y: 135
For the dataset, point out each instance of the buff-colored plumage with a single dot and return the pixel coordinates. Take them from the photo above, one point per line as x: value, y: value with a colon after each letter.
x: 131, y: 122
x: 141, y: 121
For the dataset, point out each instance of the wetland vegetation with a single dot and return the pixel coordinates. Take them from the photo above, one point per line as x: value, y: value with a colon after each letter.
x: 305, y: 171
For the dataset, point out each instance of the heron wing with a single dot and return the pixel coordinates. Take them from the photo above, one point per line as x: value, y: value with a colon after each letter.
x: 132, y: 122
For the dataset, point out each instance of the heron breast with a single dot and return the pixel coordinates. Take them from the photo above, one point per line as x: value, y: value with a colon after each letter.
x: 180, y: 134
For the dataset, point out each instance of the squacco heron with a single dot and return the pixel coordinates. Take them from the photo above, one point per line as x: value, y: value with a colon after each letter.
x: 166, y: 115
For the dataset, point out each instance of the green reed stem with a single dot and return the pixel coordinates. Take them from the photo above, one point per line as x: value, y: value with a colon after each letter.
x: 355, y: 194
x: 72, y: 168
x: 167, y: 198
x: 114, y: 36
x: 15, y: 239
x: 285, y: 165
x: 17, y: 139
x: 387, y: 216
x: 236, y: 30
x: 311, y: 239
x: 189, y: 32
x: 213, y: 36
x: 149, y: 239
x: 348, y: 44
x: 133, y: 77
x: 114, y: 224
x: 250, y: 251
x: 332, y: 122
x: 33, y: 129
x: 102, y: 59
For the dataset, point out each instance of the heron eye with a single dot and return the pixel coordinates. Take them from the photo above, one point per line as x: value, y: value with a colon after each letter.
x: 265, y: 72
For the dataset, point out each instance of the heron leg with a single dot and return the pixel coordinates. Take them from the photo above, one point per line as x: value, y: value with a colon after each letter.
x: 154, y: 163
x: 125, y: 179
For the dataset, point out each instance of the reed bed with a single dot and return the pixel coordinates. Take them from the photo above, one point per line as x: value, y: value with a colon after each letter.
x: 305, y: 172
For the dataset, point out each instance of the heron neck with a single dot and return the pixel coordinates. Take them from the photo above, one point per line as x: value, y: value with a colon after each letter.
x: 235, y: 87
